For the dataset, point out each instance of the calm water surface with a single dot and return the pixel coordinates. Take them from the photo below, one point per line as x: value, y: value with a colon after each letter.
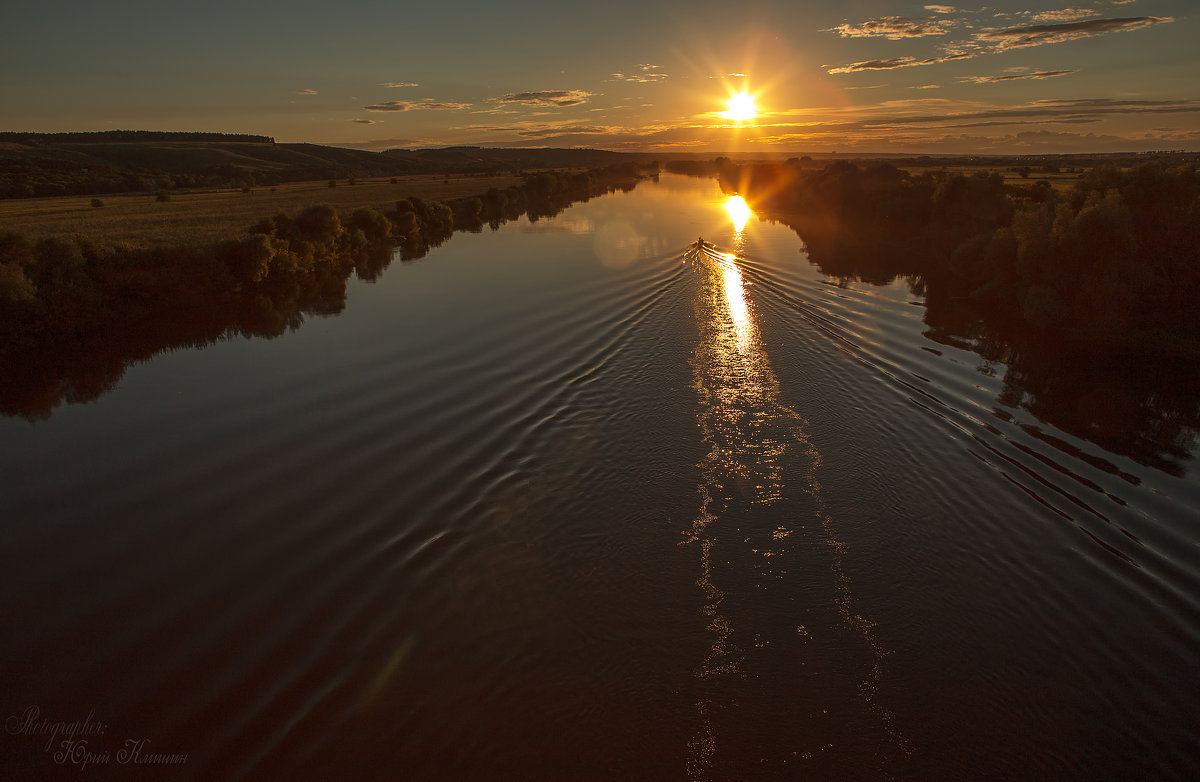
x: 566, y: 501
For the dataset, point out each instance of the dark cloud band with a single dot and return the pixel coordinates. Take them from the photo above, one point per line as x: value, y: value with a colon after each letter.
x: 560, y: 98
x: 410, y: 105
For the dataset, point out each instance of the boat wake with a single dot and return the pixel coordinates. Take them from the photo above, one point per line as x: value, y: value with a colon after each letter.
x: 763, y: 517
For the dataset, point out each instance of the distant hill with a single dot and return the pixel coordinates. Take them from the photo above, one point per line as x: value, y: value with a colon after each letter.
x: 474, y: 159
x: 130, y: 135
x: 55, y: 164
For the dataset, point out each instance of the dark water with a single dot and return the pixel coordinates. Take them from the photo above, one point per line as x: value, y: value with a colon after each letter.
x: 565, y: 501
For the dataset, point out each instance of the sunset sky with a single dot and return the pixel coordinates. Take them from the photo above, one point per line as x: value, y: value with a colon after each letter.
x: 847, y: 76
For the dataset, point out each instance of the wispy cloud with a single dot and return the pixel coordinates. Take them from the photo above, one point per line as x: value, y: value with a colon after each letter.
x: 306, y: 92
x: 1064, y: 15
x: 389, y: 143
x: 1023, y: 135
x: 1015, y: 76
x: 1004, y: 39
x: 640, y: 78
x: 940, y: 9
x: 552, y: 131
x: 1039, y: 34
x: 942, y: 112
x: 360, y: 121
x: 1049, y: 139
x: 896, y: 62
x: 919, y: 123
x: 561, y: 98
x: 647, y: 73
x: 893, y: 28
x: 922, y: 115
x: 417, y: 105
x: 541, y: 130
x: 398, y: 84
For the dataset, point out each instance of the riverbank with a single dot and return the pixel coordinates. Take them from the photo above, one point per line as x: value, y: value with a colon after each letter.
x: 212, y: 215
x: 75, y: 312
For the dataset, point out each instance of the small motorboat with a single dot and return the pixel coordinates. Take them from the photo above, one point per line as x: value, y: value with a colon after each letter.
x: 701, y: 250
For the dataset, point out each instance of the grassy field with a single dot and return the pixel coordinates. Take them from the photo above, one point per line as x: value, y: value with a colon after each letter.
x: 1061, y: 182
x: 210, y: 216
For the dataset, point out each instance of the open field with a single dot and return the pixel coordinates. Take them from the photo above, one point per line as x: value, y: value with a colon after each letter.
x: 209, y: 216
x: 1061, y: 181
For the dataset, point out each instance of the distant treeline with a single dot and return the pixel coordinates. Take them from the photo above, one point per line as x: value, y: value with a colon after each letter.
x: 702, y: 168
x: 129, y: 135
x: 1024, y: 165
x: 74, y: 313
x: 1114, y: 263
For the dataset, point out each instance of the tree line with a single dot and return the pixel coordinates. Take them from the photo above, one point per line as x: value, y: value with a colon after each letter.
x: 74, y: 312
x: 1114, y: 262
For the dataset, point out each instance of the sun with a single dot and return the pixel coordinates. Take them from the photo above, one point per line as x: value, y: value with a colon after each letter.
x: 741, y: 107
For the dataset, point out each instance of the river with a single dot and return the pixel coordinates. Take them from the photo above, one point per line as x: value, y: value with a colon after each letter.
x: 566, y: 500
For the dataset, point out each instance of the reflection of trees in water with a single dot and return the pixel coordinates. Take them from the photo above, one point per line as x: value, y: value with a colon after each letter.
x: 1144, y: 407
x: 1088, y: 297
x: 79, y: 369
x: 1150, y: 413
x: 74, y: 317
x: 1139, y: 405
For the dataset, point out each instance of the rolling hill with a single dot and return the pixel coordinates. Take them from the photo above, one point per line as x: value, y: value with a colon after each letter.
x: 56, y: 164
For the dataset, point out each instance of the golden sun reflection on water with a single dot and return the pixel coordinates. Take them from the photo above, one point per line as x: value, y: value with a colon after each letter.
x: 761, y: 455
x: 735, y: 301
x: 739, y: 212
x: 737, y: 384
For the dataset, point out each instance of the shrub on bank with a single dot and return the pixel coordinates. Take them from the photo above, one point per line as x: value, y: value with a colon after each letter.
x: 373, y: 225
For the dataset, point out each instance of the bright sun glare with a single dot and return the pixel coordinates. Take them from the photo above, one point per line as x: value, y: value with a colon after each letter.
x: 741, y: 107
x: 739, y: 212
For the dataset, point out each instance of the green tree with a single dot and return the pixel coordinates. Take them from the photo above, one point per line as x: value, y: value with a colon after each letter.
x: 374, y: 226
x: 319, y: 224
